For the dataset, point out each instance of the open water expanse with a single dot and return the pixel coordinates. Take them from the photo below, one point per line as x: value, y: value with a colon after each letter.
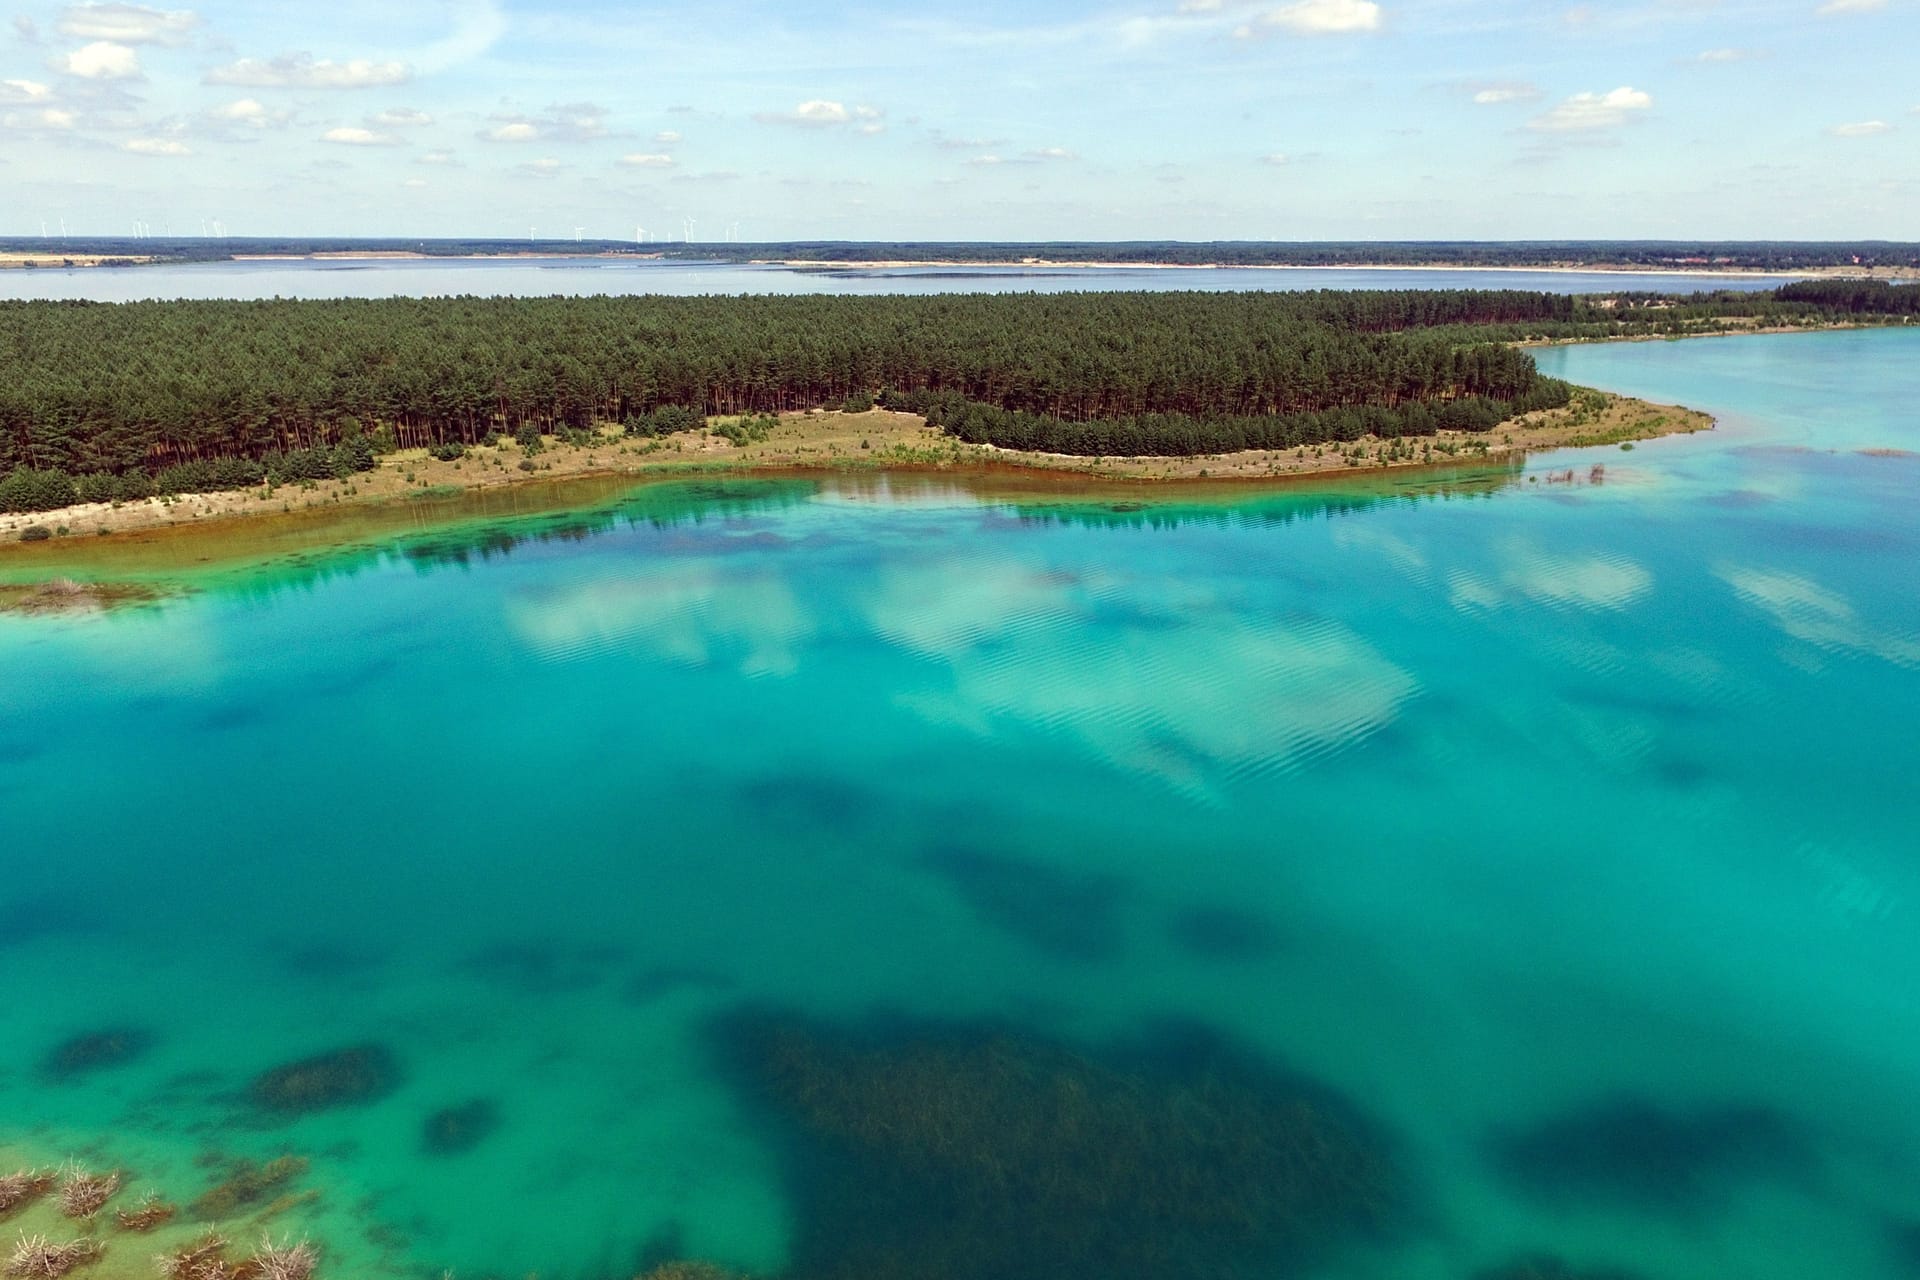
x: 865, y: 877
x: 543, y: 277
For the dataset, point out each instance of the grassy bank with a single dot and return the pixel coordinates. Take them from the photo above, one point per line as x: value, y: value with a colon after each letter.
x: 874, y: 440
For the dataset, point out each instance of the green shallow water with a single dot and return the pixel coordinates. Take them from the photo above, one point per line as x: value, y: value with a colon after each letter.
x: 1563, y: 830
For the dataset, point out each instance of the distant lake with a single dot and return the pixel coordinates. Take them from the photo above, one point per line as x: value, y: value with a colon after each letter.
x: 436, y: 277
x: 885, y: 876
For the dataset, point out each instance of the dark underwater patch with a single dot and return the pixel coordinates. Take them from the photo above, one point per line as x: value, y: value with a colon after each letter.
x: 349, y: 1077
x: 91, y: 1051
x: 1069, y: 915
x: 243, y: 1183
x: 329, y: 961
x: 1547, y: 1267
x: 1222, y: 933
x: 47, y: 916
x: 232, y: 717
x: 657, y: 984
x: 456, y: 1130
x: 1634, y: 1152
x: 19, y: 752
x: 539, y: 968
x: 918, y: 1151
x: 802, y: 803
x: 1903, y: 1239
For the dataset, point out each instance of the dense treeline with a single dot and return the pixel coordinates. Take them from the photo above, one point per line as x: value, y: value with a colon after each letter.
x: 146, y: 388
x: 1187, y: 435
x: 118, y: 402
x: 1853, y: 297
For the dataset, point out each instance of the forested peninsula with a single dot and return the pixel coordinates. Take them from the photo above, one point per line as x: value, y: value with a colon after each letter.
x: 120, y: 403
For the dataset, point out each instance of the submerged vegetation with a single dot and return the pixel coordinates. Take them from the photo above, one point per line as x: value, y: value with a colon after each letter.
x: 346, y: 1077
x: 92, y: 1051
x: 959, y: 1150
x: 38, y: 1258
x: 246, y: 1183
x: 84, y: 1193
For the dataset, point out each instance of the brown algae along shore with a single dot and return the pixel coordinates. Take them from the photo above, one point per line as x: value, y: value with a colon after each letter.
x: 825, y: 440
x: 101, y: 556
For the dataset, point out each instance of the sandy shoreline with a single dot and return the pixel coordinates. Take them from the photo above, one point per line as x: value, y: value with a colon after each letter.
x: 410, y: 490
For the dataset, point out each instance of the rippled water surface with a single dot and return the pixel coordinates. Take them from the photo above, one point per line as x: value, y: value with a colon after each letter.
x: 1394, y: 881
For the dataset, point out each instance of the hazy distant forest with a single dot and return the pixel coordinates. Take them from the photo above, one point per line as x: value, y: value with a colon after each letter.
x: 122, y: 401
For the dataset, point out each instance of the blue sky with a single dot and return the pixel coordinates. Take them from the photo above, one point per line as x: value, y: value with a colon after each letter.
x: 1053, y: 119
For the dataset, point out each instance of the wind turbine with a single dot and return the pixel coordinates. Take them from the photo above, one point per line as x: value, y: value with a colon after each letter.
x: 733, y: 231
x: 689, y: 230
x: 577, y: 234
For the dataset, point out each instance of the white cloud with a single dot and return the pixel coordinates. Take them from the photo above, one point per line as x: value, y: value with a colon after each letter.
x: 1807, y: 611
x: 1585, y: 111
x: 1599, y: 583
x: 304, y: 71
x: 1861, y: 129
x: 14, y: 92
x: 666, y: 137
x: 544, y: 167
x: 822, y: 113
x: 252, y: 113
x: 1313, y: 18
x: 647, y: 160
x: 401, y: 118
x: 156, y: 147
x: 414, y: 183
x: 571, y: 122
x: 1714, y: 56
x: 986, y: 160
x: 127, y: 23
x: 435, y: 157
x: 352, y: 136
x: 1049, y: 153
x: 819, y: 111
x: 1832, y: 7
x: 1498, y: 95
x: 1278, y: 159
x: 102, y: 60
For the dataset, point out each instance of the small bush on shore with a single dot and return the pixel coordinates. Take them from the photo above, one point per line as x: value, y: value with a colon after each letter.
x: 664, y: 421
x: 30, y: 489
x: 35, y: 533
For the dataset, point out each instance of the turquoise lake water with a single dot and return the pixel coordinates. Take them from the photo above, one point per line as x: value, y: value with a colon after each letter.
x: 1553, y: 829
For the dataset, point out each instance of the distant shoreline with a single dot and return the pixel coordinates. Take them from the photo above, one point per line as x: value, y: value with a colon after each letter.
x: 60, y: 261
